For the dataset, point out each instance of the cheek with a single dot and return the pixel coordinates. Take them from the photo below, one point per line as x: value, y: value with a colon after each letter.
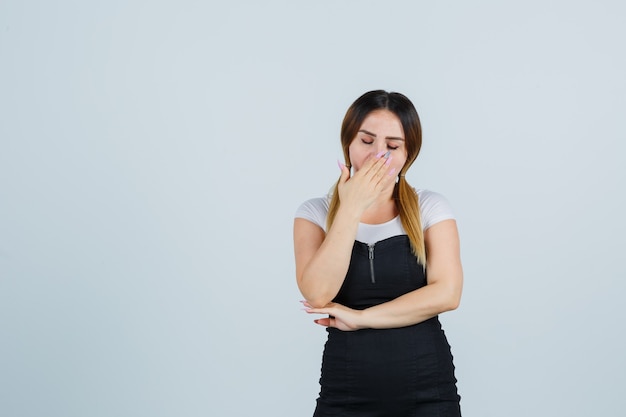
x: 398, y: 161
x: 357, y: 157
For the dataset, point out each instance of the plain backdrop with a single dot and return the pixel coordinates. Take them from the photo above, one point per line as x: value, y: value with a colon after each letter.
x: 153, y: 154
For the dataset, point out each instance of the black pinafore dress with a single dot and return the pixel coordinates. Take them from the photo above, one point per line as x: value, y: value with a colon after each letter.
x: 402, y: 372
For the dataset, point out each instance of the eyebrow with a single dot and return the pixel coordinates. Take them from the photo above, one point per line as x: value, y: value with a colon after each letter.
x: 374, y: 135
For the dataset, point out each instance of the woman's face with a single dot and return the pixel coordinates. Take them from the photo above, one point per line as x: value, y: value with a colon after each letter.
x: 381, y: 131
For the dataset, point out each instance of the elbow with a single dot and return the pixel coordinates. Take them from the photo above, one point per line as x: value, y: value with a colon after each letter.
x: 453, y: 304
x: 315, y: 298
x: 453, y: 301
x: 453, y: 291
x: 319, y: 301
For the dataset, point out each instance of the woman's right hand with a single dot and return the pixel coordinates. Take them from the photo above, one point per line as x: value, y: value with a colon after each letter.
x: 360, y: 190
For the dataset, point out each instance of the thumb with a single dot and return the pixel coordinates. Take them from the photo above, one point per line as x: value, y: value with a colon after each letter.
x: 345, y: 172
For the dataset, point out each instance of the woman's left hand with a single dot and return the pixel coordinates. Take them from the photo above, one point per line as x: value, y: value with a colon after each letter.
x: 342, y: 317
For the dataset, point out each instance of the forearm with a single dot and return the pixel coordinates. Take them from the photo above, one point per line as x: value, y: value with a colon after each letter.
x: 323, y: 276
x: 412, y: 308
x: 442, y: 293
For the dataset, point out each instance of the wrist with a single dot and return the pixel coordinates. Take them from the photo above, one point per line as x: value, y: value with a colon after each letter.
x: 363, y: 319
x: 349, y: 212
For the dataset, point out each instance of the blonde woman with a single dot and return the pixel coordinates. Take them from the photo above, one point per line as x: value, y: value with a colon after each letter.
x: 381, y: 260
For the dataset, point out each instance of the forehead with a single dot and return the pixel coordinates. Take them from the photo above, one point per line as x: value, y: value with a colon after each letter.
x: 383, y: 122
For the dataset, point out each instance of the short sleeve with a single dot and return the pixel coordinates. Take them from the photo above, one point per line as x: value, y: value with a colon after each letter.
x: 314, y: 210
x: 434, y: 208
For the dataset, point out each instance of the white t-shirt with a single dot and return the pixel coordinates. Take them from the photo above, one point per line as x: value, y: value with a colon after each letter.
x: 434, y: 208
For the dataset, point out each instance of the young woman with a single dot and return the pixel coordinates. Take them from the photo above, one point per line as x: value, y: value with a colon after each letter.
x: 381, y: 260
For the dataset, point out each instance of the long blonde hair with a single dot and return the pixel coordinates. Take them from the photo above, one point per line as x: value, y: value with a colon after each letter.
x: 404, y: 195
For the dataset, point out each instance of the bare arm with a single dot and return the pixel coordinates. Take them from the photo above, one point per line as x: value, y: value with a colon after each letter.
x: 322, y: 260
x: 442, y: 293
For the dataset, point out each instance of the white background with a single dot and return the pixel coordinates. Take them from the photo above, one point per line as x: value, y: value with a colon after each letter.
x: 153, y: 154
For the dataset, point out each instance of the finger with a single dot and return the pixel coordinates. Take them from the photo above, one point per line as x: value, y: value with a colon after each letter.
x: 367, y: 165
x: 380, y: 166
x: 345, y: 172
x: 379, y: 174
x: 323, y: 322
x: 317, y: 311
x: 372, y: 164
x: 386, y: 176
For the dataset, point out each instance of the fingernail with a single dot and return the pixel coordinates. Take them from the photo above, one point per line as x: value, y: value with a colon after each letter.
x: 387, y: 154
x: 393, y: 171
x: 388, y: 160
x: 340, y: 164
x: 379, y: 154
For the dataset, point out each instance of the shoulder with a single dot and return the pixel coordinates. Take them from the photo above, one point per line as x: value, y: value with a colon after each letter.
x: 434, y: 207
x: 314, y: 210
x: 319, y: 203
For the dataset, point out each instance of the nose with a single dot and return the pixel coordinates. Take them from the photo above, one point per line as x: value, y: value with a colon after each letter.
x: 380, y: 149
